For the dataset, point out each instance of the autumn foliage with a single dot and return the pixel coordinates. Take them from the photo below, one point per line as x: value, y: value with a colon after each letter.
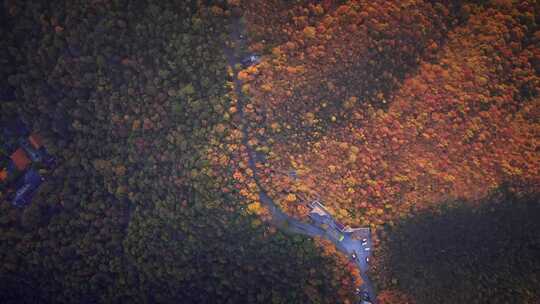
x: 276, y: 21
x: 394, y: 297
x: 152, y: 199
x: 354, y: 53
x: 349, y: 274
x: 383, y: 107
x: 458, y: 127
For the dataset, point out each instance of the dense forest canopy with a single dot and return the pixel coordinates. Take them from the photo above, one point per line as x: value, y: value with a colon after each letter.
x: 132, y: 97
x: 384, y: 110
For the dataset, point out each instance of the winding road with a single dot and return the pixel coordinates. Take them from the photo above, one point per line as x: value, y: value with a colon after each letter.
x: 348, y: 245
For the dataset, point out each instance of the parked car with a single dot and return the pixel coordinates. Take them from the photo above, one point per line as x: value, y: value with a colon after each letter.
x: 341, y: 237
x: 354, y: 256
x: 364, y: 296
x: 27, y: 187
x: 251, y: 60
x: 335, y: 234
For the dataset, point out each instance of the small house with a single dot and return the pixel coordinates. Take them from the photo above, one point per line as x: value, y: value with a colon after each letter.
x: 319, y: 214
x: 20, y: 159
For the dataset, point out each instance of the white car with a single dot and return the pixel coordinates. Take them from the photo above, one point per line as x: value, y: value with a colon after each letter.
x: 251, y: 60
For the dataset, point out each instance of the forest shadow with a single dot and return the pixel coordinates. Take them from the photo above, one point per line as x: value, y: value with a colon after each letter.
x: 16, y: 289
x: 374, y: 78
x: 489, y: 254
x: 182, y: 248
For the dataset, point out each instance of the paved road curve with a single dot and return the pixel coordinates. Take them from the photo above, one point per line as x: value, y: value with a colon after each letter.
x: 348, y: 245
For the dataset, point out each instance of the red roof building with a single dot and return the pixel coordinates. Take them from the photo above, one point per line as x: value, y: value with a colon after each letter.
x: 20, y: 159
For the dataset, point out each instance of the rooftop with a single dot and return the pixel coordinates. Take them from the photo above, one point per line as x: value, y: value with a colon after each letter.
x: 20, y: 159
x: 318, y: 210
